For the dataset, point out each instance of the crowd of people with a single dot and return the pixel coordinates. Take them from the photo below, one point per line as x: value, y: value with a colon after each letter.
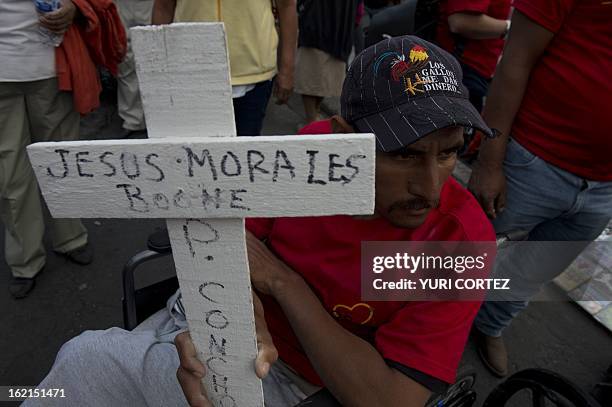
x: 524, y: 85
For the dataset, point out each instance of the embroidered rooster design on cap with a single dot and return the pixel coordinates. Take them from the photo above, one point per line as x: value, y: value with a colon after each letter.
x: 400, y: 70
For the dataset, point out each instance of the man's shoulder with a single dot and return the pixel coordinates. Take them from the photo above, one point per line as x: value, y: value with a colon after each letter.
x: 459, y: 207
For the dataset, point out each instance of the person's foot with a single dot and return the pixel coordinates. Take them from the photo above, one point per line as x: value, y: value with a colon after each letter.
x: 134, y: 134
x: 492, y: 351
x: 81, y: 255
x: 20, y: 287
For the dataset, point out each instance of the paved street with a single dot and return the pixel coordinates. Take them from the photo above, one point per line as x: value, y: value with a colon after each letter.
x: 69, y: 299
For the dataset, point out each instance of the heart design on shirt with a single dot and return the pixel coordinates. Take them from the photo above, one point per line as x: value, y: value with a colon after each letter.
x: 360, y: 313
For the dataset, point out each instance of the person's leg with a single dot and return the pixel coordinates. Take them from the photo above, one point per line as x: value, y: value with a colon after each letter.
x: 121, y: 368
x: 585, y: 208
x: 53, y: 118
x: 129, y: 104
x: 21, y: 208
x: 312, y: 107
x: 250, y: 109
x: 477, y: 86
x: 318, y: 75
x: 532, y: 264
x: 114, y: 368
x: 536, y: 193
x: 117, y: 367
x: 279, y: 388
x: 528, y: 266
x: 544, y: 257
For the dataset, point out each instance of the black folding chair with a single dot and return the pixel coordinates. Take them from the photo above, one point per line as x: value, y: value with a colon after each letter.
x: 141, y: 303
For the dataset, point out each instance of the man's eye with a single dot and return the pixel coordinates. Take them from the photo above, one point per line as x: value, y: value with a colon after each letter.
x: 448, y: 154
x: 406, y: 155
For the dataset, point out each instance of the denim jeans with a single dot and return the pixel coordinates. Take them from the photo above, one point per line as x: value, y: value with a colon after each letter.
x: 553, y: 205
x: 250, y: 109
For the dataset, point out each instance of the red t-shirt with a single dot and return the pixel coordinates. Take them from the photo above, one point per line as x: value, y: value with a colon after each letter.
x: 481, y: 55
x: 325, y: 251
x: 566, y: 110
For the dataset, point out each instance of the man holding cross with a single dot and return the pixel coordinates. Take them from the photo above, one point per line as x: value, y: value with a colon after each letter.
x: 305, y: 271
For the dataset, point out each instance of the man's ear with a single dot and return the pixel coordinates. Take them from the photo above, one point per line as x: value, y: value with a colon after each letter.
x: 339, y: 125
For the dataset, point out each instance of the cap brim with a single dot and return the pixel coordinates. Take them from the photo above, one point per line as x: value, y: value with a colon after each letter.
x: 404, y: 124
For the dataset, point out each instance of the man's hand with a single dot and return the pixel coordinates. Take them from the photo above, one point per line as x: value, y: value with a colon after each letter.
x: 267, y: 354
x: 283, y: 87
x: 488, y: 185
x: 526, y: 42
x: 191, y: 370
x: 268, y: 272
x: 287, y: 46
x: 59, y: 20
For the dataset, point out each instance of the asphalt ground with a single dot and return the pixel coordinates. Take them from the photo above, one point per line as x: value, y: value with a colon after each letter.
x: 553, y: 333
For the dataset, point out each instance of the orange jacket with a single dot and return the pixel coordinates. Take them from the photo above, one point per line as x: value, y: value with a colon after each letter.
x: 99, y: 41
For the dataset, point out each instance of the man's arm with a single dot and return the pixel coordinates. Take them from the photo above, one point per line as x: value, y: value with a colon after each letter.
x: 288, y: 21
x: 351, y: 368
x: 163, y: 12
x: 477, y: 26
x: 526, y: 43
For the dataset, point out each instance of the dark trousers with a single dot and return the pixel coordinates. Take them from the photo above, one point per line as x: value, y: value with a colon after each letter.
x: 250, y: 109
x: 477, y: 85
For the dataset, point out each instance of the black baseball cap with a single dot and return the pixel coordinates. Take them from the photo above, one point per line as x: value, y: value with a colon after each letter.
x: 403, y: 88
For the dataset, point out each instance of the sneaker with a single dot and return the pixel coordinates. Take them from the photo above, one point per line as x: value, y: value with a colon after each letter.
x: 20, y: 287
x: 81, y: 255
x: 492, y: 351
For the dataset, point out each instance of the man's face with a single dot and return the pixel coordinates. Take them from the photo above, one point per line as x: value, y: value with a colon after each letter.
x: 409, y: 180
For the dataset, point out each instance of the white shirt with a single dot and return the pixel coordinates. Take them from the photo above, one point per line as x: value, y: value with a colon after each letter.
x: 239, y: 91
x: 23, y: 56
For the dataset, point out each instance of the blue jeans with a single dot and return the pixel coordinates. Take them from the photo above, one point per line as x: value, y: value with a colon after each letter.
x: 250, y: 109
x: 553, y: 205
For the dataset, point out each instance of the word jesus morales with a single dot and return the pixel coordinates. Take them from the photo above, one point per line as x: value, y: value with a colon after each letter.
x: 309, y: 167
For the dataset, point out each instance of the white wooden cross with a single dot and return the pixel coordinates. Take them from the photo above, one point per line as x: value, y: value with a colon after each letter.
x: 205, y: 186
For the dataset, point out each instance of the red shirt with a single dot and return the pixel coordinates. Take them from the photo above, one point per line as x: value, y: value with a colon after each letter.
x: 481, y: 55
x: 567, y: 107
x: 325, y: 251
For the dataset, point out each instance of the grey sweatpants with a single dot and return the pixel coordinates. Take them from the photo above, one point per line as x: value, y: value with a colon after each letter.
x: 116, y: 368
